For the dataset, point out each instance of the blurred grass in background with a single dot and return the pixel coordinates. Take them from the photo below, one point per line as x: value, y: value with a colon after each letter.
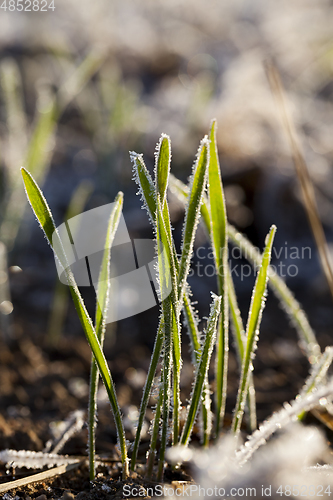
x: 86, y: 83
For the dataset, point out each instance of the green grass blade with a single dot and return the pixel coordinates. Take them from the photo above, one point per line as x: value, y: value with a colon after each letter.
x: 102, y: 301
x: 252, y: 330
x: 192, y: 328
x: 218, y: 216
x: 36, y: 157
x: 197, y: 187
x: 146, y: 185
x: 162, y: 166
x: 148, y: 196
x: 240, y: 343
x: 289, y: 303
x: 218, y: 223
x: 80, y: 77
x: 104, y: 275
x: 177, y: 365
x: 162, y: 170
x: 13, y: 97
x: 44, y: 217
x: 40, y: 144
x: 181, y: 191
x: 237, y: 322
x: 165, y: 257
x: 206, y: 413
x: 60, y: 298
x: 147, y: 189
x: 154, y: 435
x: 202, y: 370
x: 41, y: 210
x: 147, y: 389
x: 292, y: 307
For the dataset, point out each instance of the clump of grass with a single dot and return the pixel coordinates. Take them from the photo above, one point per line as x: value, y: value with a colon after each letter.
x: 202, y: 197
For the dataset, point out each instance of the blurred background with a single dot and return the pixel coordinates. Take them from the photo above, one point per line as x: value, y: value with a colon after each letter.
x: 84, y: 83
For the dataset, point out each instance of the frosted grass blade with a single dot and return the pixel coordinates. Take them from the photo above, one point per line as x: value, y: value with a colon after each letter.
x: 219, y: 239
x: 207, y: 416
x: 240, y: 343
x: 148, y: 196
x: 280, y: 419
x: 154, y: 435
x: 237, y: 322
x: 181, y: 191
x: 202, y: 370
x: 192, y: 327
x: 162, y: 166
x: 102, y: 302
x: 197, y: 187
x: 176, y: 309
x: 291, y: 306
x: 146, y: 186
x: 147, y: 389
x: 318, y: 371
x: 164, y: 265
x: 162, y: 170
x: 318, y: 374
x: 44, y: 217
x: 177, y: 364
x: 252, y: 330
x: 218, y: 216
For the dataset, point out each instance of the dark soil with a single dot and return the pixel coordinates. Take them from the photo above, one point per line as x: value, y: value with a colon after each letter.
x: 40, y: 386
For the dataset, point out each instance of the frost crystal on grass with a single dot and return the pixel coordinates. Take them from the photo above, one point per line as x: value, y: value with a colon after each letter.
x: 34, y: 459
x: 280, y: 419
x: 63, y: 431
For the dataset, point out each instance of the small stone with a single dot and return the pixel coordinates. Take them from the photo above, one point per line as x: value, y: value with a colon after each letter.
x: 7, y: 496
x: 83, y: 495
x: 67, y: 495
x: 106, y: 488
x: 41, y: 497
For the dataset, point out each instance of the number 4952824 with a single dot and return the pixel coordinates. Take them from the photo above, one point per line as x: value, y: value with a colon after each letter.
x: 27, y: 5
